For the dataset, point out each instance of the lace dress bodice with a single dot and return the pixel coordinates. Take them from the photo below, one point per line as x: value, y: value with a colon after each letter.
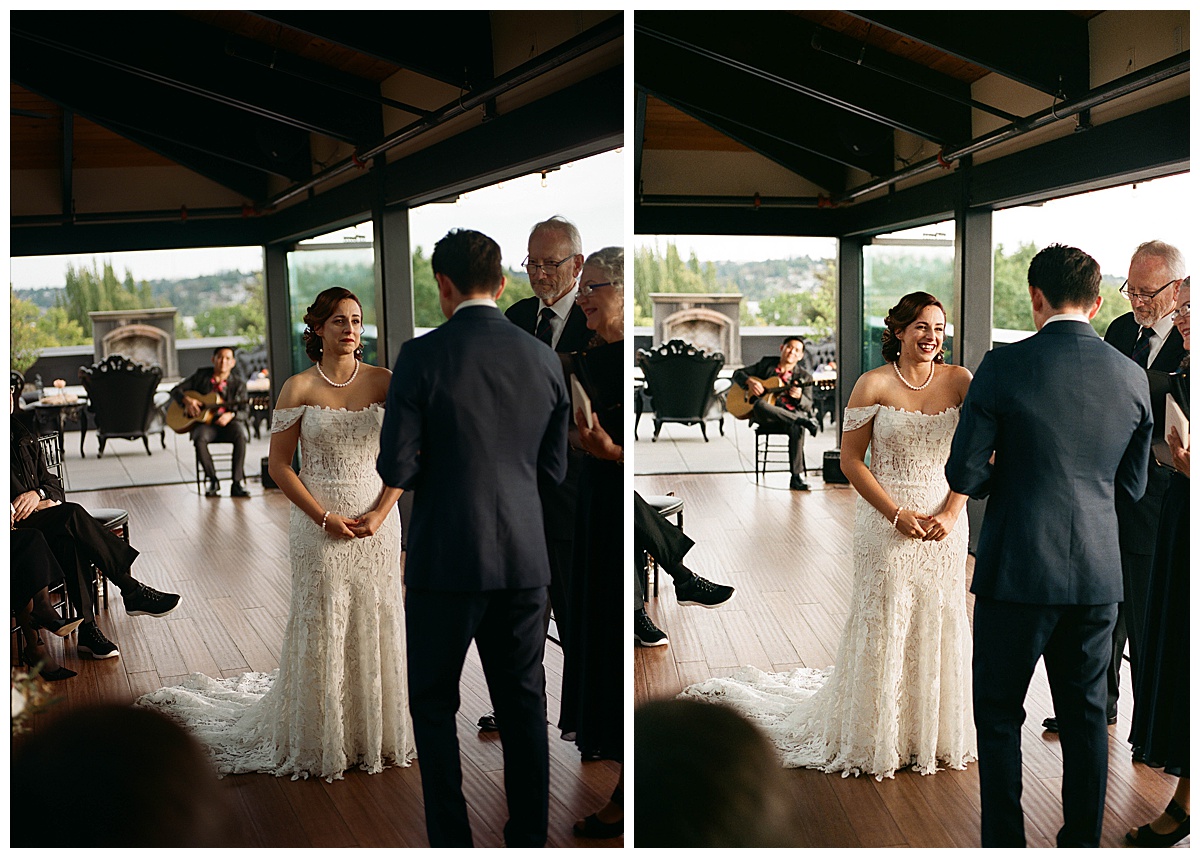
x: 340, y: 696
x: 900, y: 691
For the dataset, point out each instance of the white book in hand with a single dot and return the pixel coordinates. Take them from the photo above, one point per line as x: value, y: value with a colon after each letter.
x: 580, y: 401
x: 1175, y: 420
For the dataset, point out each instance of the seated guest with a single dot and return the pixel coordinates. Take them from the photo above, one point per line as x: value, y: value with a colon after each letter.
x: 225, y: 424
x: 706, y: 777
x: 1161, y: 697
x: 77, y: 541
x: 32, y: 572
x: 667, y: 544
x: 792, y: 410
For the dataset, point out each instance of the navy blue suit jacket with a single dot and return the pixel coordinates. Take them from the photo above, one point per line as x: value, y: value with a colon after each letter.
x: 1070, y: 422
x: 476, y: 409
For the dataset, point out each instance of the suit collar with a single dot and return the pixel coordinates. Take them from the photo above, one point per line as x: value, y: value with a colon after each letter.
x: 1069, y: 327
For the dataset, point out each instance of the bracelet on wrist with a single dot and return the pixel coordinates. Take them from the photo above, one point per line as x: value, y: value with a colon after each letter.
x: 896, y: 517
x: 324, y: 519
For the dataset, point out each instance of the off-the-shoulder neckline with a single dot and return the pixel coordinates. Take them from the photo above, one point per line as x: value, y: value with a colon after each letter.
x: 905, y: 410
x: 333, y: 410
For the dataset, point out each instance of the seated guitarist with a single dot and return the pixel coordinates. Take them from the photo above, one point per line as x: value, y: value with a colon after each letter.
x: 792, y: 410
x: 226, y: 425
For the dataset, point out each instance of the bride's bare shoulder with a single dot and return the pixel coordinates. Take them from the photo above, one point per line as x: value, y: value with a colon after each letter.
x: 869, y: 387
x: 296, y: 390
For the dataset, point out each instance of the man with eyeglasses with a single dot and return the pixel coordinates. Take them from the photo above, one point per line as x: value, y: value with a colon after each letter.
x: 554, y: 263
x: 1146, y: 336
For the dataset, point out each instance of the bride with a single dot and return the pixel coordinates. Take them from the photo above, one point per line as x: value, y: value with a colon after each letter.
x: 340, y: 696
x: 899, y: 694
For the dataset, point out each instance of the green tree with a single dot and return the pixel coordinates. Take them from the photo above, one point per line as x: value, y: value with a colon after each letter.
x: 1010, y: 283
x: 33, y: 330
x: 91, y: 289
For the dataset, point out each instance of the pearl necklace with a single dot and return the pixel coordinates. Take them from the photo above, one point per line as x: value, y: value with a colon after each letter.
x: 346, y: 383
x: 904, y: 381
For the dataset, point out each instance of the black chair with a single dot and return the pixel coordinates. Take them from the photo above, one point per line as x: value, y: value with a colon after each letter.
x: 824, y: 393
x: 221, y: 462
x: 680, y: 383
x: 768, y: 450
x: 113, y: 519
x: 123, y: 402
x: 22, y: 413
x: 667, y: 505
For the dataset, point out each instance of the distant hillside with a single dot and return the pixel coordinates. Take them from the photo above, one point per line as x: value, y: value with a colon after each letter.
x: 191, y: 296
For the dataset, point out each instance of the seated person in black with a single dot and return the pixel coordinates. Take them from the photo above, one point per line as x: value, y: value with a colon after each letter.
x: 77, y: 541
x: 667, y: 544
x: 226, y: 424
x: 792, y: 410
x: 33, y: 570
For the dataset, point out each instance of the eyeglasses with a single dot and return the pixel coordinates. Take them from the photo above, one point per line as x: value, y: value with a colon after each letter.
x: 1185, y: 311
x: 549, y: 268
x: 1143, y: 297
x: 586, y: 289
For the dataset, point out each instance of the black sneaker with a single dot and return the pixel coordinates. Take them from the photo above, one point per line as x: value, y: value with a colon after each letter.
x: 238, y: 491
x: 702, y: 592
x: 92, y: 641
x: 213, y: 490
x: 645, y: 632
x: 148, y: 602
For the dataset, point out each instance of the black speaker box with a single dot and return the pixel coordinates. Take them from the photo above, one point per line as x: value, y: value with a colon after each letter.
x: 832, y: 472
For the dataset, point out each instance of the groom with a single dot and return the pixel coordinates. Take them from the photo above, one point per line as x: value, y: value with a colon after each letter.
x: 1068, y: 419
x: 477, y: 409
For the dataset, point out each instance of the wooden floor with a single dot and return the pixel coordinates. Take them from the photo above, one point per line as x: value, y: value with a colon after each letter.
x: 789, y: 555
x: 229, y: 561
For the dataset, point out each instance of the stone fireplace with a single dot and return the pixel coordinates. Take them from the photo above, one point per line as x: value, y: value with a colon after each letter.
x: 707, y: 321
x: 145, y: 336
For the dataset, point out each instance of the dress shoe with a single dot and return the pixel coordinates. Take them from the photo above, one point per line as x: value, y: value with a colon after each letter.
x: 213, y: 490
x: 487, y: 723
x: 593, y: 828
x: 798, y: 484
x: 1050, y: 725
x: 238, y: 491
x: 1147, y: 836
x: 57, y: 675
x: 810, y: 424
x: 58, y: 626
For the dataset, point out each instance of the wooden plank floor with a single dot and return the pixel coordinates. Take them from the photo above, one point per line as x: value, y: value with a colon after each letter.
x: 789, y: 555
x: 229, y: 561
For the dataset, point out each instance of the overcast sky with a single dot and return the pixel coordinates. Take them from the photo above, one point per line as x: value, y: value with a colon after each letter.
x: 587, y: 192
x: 1107, y: 224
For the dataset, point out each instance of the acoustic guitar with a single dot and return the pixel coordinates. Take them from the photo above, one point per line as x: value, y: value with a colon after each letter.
x: 178, y: 420
x: 740, y: 402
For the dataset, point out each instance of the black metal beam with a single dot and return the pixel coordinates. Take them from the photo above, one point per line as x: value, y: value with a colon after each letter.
x: 1154, y: 142
x: 241, y: 148
x: 453, y: 47
x: 801, y: 134
x: 1045, y: 50
x: 112, y: 237
x: 191, y: 57
x: 500, y: 149
x: 68, y: 163
x: 824, y: 65
x: 736, y: 220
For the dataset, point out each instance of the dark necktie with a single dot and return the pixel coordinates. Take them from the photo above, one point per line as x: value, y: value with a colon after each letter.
x: 544, y: 332
x: 1141, y: 349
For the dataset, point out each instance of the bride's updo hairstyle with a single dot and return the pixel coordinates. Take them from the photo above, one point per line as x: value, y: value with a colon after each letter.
x: 901, y: 316
x: 318, y: 313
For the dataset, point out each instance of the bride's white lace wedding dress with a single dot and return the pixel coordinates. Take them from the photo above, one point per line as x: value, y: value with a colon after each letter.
x: 340, y: 696
x: 900, y: 692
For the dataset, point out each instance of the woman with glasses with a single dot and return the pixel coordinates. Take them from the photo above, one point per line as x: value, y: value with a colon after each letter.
x: 1161, y: 715
x: 593, y: 676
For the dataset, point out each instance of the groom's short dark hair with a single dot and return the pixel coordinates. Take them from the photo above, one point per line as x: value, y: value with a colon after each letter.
x: 470, y: 259
x: 1067, y: 276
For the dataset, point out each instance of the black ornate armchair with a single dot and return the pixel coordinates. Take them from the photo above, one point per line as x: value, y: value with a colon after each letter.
x: 680, y: 381
x: 122, y: 401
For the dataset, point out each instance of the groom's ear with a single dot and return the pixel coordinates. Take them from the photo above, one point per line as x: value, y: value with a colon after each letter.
x: 500, y: 291
x: 446, y: 287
